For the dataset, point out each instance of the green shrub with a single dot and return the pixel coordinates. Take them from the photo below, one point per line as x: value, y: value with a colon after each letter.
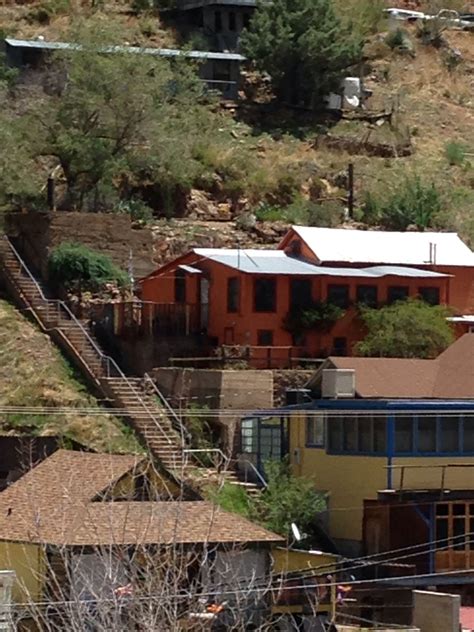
x: 396, y: 38
x: 328, y: 214
x: 138, y: 210
x: 141, y: 6
x: 266, y: 212
x: 75, y: 267
x: 320, y: 314
x: 406, y: 329
x: 455, y: 153
x: 413, y: 204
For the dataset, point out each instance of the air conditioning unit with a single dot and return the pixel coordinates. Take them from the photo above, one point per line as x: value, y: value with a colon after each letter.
x: 338, y: 383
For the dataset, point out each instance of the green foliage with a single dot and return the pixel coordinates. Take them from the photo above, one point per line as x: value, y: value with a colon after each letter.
x: 414, y: 203
x: 49, y: 9
x: 234, y: 499
x: 397, y: 39
x: 76, y: 267
x: 201, y: 432
x: 406, y: 329
x: 121, y: 122
x: 455, y: 153
x: 303, y: 46
x: 364, y: 16
x: 287, y: 499
x: 320, y: 314
x: 302, y: 212
x: 141, y: 6
x: 138, y: 210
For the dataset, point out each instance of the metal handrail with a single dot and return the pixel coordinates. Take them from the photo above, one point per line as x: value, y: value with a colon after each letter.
x: 177, y: 423
x: 109, y: 362
x: 225, y: 459
x: 258, y: 474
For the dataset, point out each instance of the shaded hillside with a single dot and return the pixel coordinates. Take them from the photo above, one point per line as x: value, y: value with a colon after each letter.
x: 34, y: 374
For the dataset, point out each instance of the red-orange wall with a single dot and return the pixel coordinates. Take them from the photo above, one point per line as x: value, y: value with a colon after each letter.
x: 246, y: 323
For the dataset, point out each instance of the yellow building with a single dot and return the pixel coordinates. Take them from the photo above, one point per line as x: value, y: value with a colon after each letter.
x: 390, y: 442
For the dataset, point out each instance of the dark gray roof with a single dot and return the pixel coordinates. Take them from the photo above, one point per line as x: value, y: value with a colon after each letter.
x: 160, y: 52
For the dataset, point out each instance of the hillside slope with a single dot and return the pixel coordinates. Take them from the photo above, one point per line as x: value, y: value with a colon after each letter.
x: 34, y: 374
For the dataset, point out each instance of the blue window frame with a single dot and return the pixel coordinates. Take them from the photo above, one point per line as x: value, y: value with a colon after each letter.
x: 315, y: 429
x: 352, y: 433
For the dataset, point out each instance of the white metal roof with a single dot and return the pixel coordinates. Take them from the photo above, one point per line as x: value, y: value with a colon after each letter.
x: 161, y: 52
x: 384, y: 247
x: 277, y: 262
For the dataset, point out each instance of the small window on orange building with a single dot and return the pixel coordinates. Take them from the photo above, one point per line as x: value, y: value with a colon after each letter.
x: 339, y: 347
x: 265, y: 337
x: 429, y: 294
x: 233, y: 294
x: 179, y: 286
x: 397, y: 293
x: 300, y: 293
x: 338, y: 294
x: 232, y: 21
x: 264, y: 295
x: 367, y: 295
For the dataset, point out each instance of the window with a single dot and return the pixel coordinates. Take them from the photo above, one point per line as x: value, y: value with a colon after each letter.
x: 426, y: 434
x: 264, y: 295
x: 454, y: 525
x: 365, y: 433
x: 468, y: 434
x: 362, y: 433
x: 367, y: 295
x: 221, y: 70
x: 249, y: 435
x: 217, y: 21
x: 429, y: 294
x: 335, y: 434
x: 339, y: 295
x: 246, y: 20
x: 339, y: 347
x: 232, y: 21
x: 300, y: 293
x: 349, y: 433
x: 449, y: 434
x: 315, y: 430
x: 233, y: 294
x: 403, y: 433
x: 265, y: 337
x: 397, y: 293
x: 180, y: 286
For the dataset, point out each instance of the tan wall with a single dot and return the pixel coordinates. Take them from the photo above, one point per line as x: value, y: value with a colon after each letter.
x: 348, y: 480
x: 218, y: 389
x: 431, y: 477
x: 109, y: 233
x: 436, y: 612
x: 27, y: 561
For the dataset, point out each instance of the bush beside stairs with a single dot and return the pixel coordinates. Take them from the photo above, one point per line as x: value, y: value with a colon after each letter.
x: 157, y: 428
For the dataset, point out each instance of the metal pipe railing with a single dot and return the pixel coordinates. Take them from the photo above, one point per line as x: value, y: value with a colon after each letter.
x: 106, y: 361
x: 176, y: 421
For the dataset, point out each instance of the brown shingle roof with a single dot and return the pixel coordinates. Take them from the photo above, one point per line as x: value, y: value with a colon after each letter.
x: 449, y: 376
x: 56, y: 503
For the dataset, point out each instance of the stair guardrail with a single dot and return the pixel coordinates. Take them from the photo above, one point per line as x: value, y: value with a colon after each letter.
x: 176, y: 422
x: 109, y: 365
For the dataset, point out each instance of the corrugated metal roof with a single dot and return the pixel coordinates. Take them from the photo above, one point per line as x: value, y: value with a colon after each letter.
x: 161, y: 52
x: 277, y: 262
x: 375, y: 246
x: 190, y: 269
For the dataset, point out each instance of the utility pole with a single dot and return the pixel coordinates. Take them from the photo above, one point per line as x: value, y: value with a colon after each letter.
x: 350, y: 187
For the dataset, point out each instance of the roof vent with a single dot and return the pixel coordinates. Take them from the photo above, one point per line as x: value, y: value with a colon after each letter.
x: 338, y: 383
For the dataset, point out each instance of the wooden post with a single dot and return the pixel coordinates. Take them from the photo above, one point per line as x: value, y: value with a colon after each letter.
x: 51, y: 196
x: 350, y: 186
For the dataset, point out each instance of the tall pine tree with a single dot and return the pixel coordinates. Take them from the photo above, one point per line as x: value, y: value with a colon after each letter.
x: 303, y: 46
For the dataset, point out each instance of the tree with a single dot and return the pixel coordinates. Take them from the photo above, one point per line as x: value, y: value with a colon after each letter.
x: 303, y: 46
x: 406, y: 329
x: 112, y: 122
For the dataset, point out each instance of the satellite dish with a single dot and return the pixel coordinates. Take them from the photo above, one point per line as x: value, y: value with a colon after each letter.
x: 296, y: 532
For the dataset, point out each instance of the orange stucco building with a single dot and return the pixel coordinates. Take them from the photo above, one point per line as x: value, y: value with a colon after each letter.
x: 242, y: 297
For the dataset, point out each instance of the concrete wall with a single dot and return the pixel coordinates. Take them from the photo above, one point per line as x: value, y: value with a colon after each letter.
x: 109, y: 233
x: 226, y: 390
x: 436, y: 612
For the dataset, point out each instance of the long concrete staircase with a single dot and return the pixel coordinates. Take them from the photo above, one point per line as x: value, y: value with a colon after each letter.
x: 137, y: 400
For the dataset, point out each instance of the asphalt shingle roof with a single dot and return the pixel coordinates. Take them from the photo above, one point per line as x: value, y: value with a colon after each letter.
x: 58, y: 503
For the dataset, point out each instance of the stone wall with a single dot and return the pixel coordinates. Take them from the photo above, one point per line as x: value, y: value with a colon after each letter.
x: 109, y: 233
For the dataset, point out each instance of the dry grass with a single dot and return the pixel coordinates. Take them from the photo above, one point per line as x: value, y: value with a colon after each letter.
x: 34, y: 374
